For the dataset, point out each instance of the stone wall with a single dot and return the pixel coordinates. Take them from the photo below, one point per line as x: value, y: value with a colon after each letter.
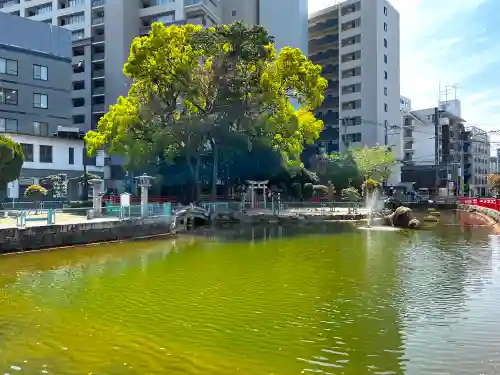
x: 34, y: 238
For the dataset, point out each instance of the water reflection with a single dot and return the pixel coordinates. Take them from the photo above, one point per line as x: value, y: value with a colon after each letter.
x: 268, y: 299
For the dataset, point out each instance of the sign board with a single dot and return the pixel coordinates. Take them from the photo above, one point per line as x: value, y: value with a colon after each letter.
x: 124, y: 200
x: 13, y: 190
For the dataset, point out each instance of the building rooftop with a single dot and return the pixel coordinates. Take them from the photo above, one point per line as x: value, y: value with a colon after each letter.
x: 22, y: 33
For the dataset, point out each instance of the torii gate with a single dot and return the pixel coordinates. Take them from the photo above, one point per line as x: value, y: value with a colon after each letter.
x: 257, y: 185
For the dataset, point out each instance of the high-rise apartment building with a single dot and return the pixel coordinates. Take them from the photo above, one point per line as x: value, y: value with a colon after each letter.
x: 35, y: 102
x: 357, y: 43
x: 285, y: 20
x: 102, y: 32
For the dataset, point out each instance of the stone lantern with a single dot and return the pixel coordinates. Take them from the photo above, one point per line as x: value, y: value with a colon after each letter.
x: 96, y: 185
x: 144, y: 182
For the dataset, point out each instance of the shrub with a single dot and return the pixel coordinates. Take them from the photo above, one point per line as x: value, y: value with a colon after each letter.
x: 35, y: 192
x: 80, y: 204
x: 351, y: 194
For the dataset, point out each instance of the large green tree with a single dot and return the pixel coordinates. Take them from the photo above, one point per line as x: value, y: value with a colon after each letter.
x: 11, y: 161
x: 199, y: 92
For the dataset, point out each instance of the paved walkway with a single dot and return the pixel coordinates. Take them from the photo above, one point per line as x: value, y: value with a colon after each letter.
x: 61, y: 219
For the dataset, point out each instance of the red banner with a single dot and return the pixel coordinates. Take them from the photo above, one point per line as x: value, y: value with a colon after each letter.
x: 491, y: 203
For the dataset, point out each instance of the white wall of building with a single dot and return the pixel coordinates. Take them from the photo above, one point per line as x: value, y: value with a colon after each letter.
x: 379, y: 22
x: 60, y: 153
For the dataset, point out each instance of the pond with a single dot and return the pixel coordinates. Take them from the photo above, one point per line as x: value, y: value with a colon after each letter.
x: 328, y: 299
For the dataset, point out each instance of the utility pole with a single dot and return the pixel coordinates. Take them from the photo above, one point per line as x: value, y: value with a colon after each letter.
x: 436, y: 148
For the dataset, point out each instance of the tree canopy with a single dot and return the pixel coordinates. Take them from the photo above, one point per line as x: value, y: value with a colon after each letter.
x: 201, y: 93
x: 374, y: 162
x: 11, y: 160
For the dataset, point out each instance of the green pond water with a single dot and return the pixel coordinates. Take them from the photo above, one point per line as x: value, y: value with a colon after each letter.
x: 328, y: 299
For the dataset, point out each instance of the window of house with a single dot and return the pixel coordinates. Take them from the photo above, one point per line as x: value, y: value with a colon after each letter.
x: 385, y: 59
x: 385, y: 74
x: 356, y: 55
x: 28, y: 151
x: 40, y: 128
x: 385, y: 26
x: 8, y: 66
x: 385, y: 42
x: 40, y: 72
x: 71, y: 155
x: 40, y: 101
x: 233, y: 13
x: 351, y: 24
x: 45, y: 154
x: 8, y: 125
x: 385, y: 107
x: 353, y: 137
x: 385, y: 11
x: 8, y: 96
x: 385, y: 91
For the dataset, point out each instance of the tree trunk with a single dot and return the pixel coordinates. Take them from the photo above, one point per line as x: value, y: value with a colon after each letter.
x: 195, y: 173
x: 215, y: 170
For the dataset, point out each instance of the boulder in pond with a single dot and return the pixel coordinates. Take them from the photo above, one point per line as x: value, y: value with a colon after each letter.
x: 402, y: 217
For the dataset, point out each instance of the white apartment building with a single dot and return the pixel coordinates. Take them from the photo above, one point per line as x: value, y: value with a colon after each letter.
x: 357, y: 43
x: 285, y: 20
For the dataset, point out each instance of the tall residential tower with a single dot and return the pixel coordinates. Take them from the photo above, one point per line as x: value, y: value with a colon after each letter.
x: 357, y: 43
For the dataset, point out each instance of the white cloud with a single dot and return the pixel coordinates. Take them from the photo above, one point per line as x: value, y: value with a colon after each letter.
x: 438, y: 45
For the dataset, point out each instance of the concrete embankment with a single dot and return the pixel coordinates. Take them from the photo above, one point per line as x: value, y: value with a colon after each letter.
x: 49, y: 236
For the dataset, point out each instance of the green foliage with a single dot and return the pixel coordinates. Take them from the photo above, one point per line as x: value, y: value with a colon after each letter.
x: 35, y: 192
x: 320, y: 190
x: 59, y: 184
x: 374, y: 162
x: 351, y: 194
x: 11, y: 160
x: 338, y: 169
x: 296, y: 190
x: 207, y: 92
x: 308, y: 191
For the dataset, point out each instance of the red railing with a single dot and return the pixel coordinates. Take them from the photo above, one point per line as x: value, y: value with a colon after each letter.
x: 491, y: 203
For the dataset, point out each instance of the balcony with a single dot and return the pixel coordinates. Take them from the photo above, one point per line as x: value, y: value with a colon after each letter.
x: 98, y: 108
x: 97, y: 21
x: 9, y: 3
x: 322, y: 26
x: 98, y: 56
x: 98, y: 91
x: 97, y: 3
x: 99, y: 73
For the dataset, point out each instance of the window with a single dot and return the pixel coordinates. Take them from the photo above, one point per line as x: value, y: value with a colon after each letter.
x: 351, y: 40
x: 8, y: 125
x: 385, y: 91
x: 354, y: 137
x: 385, y: 26
x: 385, y: 59
x: 45, y: 154
x: 8, y: 96
x: 351, y: 88
x: 385, y: 42
x: 353, y: 104
x: 71, y: 155
x: 351, y: 8
x: 385, y: 107
x: 351, y: 24
x: 8, y: 66
x: 351, y: 56
x: 385, y: 74
x: 40, y: 101
x: 352, y: 121
x: 233, y: 13
x: 40, y: 72
x: 40, y: 128
x: 385, y: 11
x: 28, y: 151
x: 351, y: 72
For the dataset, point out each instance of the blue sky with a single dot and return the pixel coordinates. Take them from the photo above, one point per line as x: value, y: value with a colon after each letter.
x: 452, y: 42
